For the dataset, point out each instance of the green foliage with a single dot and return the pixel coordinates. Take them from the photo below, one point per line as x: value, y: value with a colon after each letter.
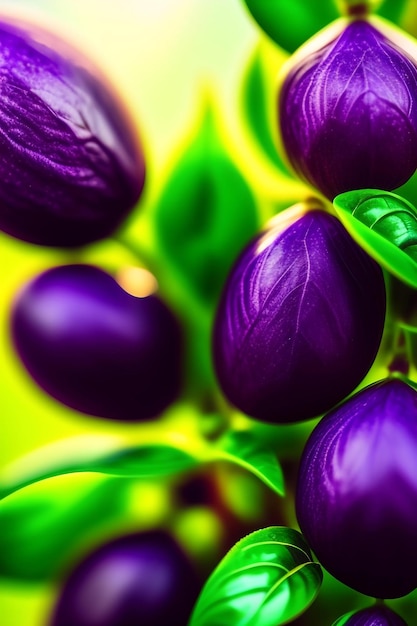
x: 140, y: 461
x: 400, y: 12
x: 206, y: 213
x: 259, y: 107
x: 385, y: 225
x: 244, y: 449
x: 266, y: 579
x: 148, y: 460
x: 290, y: 24
x: 344, y: 619
x: 41, y: 529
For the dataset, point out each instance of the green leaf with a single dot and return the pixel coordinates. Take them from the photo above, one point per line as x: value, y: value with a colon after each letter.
x: 148, y: 460
x: 259, y: 106
x: 244, y: 449
x: 266, y: 579
x: 290, y: 24
x: 206, y: 213
x: 409, y: 189
x: 40, y: 531
x: 344, y: 619
x: 400, y: 12
x: 385, y: 225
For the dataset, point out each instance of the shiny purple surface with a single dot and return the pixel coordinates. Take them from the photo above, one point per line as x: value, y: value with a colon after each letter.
x: 137, y: 580
x: 348, y: 113
x: 300, y: 320
x: 378, y: 615
x: 96, y: 348
x: 70, y: 171
x: 356, y: 497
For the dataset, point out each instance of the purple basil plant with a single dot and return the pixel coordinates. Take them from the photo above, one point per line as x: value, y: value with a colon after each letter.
x: 377, y: 615
x: 300, y: 320
x: 95, y: 347
x: 356, y: 497
x: 143, y: 579
x: 348, y: 113
x: 70, y: 168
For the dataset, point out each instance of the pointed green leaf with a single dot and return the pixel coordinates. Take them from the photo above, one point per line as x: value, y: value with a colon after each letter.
x: 305, y: 19
x: 385, y: 225
x: 40, y: 531
x: 148, y: 460
x: 244, y: 449
x: 206, y: 213
x: 259, y: 106
x: 266, y: 579
x: 290, y: 24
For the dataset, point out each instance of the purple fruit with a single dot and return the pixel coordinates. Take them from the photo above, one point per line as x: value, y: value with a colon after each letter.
x: 144, y: 579
x: 377, y: 615
x: 96, y: 348
x: 70, y: 171
x: 300, y: 320
x: 356, y: 497
x: 348, y: 113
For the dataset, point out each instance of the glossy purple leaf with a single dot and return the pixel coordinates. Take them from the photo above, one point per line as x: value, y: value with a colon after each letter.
x: 377, y: 615
x: 300, y: 319
x: 144, y: 579
x: 348, y: 113
x: 356, y: 498
x: 96, y: 348
x: 70, y: 170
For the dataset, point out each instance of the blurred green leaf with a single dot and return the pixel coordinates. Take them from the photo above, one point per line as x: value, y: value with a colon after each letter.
x: 40, y: 531
x: 266, y: 579
x: 206, y: 213
x: 385, y: 225
x: 400, y: 12
x: 342, y: 620
x: 141, y: 461
x: 259, y: 107
x: 290, y: 24
x: 393, y: 9
x: 244, y: 449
